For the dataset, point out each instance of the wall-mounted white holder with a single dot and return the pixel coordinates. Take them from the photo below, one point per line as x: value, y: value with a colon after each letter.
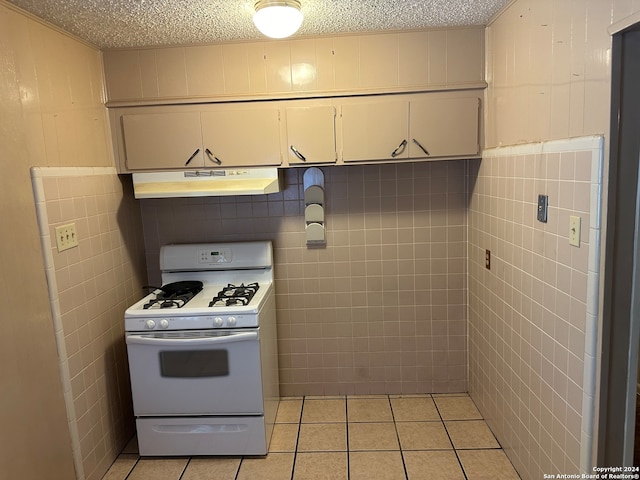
x: 313, y: 180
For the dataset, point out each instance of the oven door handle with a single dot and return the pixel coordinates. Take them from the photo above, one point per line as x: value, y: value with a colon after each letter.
x: 212, y: 340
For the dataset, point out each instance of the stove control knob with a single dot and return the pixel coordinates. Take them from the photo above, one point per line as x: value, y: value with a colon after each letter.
x: 150, y: 324
x: 164, y: 323
x: 217, y: 322
x: 231, y: 321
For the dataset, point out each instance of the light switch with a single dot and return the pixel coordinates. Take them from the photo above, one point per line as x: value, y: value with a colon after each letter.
x: 66, y: 237
x: 574, y: 230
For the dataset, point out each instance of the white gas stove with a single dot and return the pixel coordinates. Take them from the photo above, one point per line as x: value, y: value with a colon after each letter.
x: 202, y: 352
x: 206, y: 286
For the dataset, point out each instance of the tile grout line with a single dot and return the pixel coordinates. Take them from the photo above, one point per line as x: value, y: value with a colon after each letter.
x: 295, y: 451
x: 186, y: 465
x: 132, y: 468
x: 346, y: 421
x: 395, y: 427
x: 235, y: 477
x: 455, y: 451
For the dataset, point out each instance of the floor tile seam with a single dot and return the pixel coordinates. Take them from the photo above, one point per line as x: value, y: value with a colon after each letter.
x: 346, y: 417
x: 242, y: 459
x: 466, y: 420
x: 369, y: 421
x: 335, y: 450
x: 395, y: 427
x: 455, y: 452
x: 477, y: 420
x: 328, y: 422
x: 324, y: 397
x: 376, y: 396
x: 130, y: 472
x: 479, y: 448
x: 450, y: 395
x: 419, y: 421
x: 461, y: 419
x: 485, y: 449
x: 410, y: 395
x: 412, y: 450
x: 186, y: 466
x: 435, y: 404
x: 295, y: 453
x: 493, y: 433
x: 393, y: 410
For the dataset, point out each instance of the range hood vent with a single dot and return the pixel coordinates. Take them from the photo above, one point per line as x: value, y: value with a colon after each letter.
x: 206, y: 183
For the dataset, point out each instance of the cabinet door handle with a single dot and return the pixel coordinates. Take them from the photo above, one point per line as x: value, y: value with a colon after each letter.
x: 298, y: 154
x: 399, y: 149
x: 421, y: 147
x: 193, y: 155
x: 212, y: 157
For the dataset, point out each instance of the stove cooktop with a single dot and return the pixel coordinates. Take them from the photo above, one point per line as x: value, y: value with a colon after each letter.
x: 211, y: 300
x: 179, y: 294
x: 232, y: 282
x: 196, y: 313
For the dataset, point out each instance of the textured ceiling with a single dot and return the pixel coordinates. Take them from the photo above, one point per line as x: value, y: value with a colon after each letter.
x: 135, y: 23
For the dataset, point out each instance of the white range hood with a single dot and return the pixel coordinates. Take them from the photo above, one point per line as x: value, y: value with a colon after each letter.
x: 206, y: 183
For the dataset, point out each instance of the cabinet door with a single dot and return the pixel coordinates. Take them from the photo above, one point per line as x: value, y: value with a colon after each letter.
x: 239, y: 137
x: 444, y: 127
x: 162, y: 140
x: 311, y: 134
x: 375, y: 131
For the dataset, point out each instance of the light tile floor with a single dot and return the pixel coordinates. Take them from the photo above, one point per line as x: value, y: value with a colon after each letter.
x: 378, y: 437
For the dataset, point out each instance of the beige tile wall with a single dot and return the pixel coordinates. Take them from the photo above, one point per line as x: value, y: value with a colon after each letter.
x: 548, y: 75
x: 532, y: 316
x: 51, y: 114
x: 549, y: 70
x: 90, y: 287
x: 381, y: 309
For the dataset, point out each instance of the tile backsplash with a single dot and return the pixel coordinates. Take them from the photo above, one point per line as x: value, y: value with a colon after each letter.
x: 90, y: 286
x: 380, y: 309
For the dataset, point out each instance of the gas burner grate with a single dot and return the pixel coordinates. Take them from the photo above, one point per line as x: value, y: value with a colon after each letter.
x: 172, y: 301
x: 174, y: 295
x: 234, y: 295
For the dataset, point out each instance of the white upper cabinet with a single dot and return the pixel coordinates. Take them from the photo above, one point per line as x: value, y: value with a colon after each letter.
x: 444, y: 127
x: 162, y: 140
x: 311, y: 134
x: 375, y: 130
x: 242, y: 137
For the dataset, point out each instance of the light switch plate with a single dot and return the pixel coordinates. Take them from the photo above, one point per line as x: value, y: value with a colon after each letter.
x: 66, y: 237
x: 574, y: 230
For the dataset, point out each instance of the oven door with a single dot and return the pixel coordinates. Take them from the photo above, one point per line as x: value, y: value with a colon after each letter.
x: 202, y: 372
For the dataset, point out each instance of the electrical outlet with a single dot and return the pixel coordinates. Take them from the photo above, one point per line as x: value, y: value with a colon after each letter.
x: 574, y: 231
x: 66, y: 237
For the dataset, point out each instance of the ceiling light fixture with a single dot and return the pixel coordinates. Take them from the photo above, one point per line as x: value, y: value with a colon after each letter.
x: 278, y: 18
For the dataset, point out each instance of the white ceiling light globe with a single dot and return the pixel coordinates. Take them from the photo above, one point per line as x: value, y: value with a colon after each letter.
x: 278, y: 19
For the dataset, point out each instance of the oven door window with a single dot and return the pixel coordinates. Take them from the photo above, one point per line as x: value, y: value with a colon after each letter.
x: 194, y: 363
